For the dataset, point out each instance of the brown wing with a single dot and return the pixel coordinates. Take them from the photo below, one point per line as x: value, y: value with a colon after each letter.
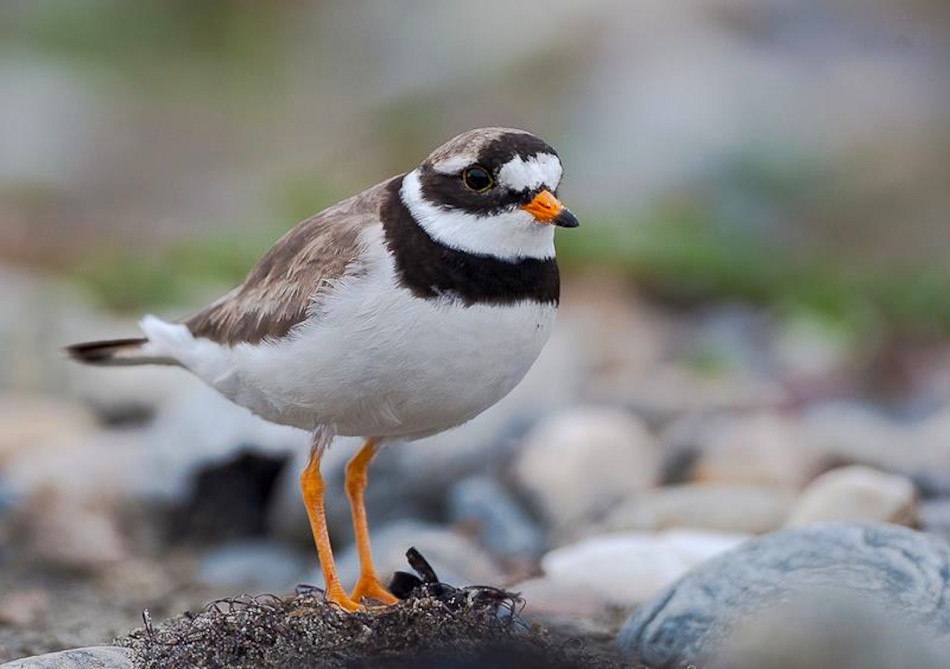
x: 287, y: 282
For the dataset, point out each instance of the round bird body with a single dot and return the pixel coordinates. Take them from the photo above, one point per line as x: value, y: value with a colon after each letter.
x: 398, y: 313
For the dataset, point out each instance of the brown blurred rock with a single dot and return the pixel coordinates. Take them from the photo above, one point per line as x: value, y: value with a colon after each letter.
x: 579, y: 463
x: 31, y: 423
x: 141, y: 580
x: 70, y: 534
x: 759, y: 449
x: 22, y: 608
x: 856, y: 493
x: 706, y: 506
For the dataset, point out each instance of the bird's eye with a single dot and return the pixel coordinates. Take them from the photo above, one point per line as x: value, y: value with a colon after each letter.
x: 477, y: 179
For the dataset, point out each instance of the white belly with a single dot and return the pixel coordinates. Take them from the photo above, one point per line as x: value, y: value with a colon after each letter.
x: 381, y: 362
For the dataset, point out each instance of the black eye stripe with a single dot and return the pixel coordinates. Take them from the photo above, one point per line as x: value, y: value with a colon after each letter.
x: 449, y: 191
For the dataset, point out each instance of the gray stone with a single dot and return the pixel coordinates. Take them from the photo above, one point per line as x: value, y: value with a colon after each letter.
x: 255, y: 565
x: 856, y: 433
x: 898, y: 570
x: 576, y: 465
x: 554, y: 599
x: 934, y: 516
x: 705, y: 506
x: 829, y: 628
x: 627, y: 568
x: 501, y: 524
x: 92, y: 657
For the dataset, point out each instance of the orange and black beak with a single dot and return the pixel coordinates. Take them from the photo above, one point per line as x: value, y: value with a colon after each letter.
x: 548, y: 209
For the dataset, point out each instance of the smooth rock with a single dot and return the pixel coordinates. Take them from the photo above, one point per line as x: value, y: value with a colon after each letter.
x: 92, y: 657
x: 934, y: 516
x: 69, y: 535
x: 501, y: 525
x: 457, y: 560
x: 743, y: 509
x: 88, y: 466
x: 674, y: 389
x: 253, y: 565
x: 854, y: 433
x: 758, y: 449
x: 626, y: 569
x: 22, y: 608
x: 33, y: 423
x: 901, y: 571
x: 229, y: 500
x: 576, y: 465
x: 553, y: 598
x: 829, y: 628
x: 856, y: 493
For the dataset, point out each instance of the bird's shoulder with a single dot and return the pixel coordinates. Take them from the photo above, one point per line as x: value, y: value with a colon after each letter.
x: 288, y: 281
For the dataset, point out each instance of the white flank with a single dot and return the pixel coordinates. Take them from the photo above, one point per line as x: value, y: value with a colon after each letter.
x: 508, y: 235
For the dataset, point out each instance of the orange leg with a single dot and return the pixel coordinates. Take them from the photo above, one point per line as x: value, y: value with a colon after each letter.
x: 311, y: 483
x: 368, y: 584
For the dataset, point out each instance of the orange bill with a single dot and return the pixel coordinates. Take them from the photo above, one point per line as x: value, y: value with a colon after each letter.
x: 548, y: 209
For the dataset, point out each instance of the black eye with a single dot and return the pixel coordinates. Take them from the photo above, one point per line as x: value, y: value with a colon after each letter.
x: 477, y: 179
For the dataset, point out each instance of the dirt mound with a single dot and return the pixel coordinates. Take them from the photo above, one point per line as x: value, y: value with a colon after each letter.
x: 434, y: 626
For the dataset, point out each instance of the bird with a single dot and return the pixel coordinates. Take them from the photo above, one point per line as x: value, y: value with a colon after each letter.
x: 396, y: 314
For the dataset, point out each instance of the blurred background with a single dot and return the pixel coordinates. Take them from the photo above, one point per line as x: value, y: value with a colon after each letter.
x: 757, y: 298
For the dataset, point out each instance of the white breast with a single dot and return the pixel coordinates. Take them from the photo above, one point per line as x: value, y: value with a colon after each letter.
x: 380, y: 361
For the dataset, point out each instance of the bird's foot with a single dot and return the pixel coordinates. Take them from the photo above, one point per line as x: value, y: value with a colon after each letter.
x: 336, y: 595
x: 369, y: 587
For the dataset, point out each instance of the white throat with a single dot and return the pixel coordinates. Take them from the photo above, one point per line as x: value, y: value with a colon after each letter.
x: 508, y: 235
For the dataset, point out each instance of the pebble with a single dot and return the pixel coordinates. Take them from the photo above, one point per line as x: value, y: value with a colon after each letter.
x: 261, y: 565
x: 758, y: 449
x: 896, y: 569
x: 29, y: 424
x: 744, y: 509
x: 501, y: 525
x: 934, y: 515
x: 831, y: 629
x: 855, y: 433
x: 626, y: 569
x: 576, y: 465
x: 553, y: 598
x: 856, y: 493
x: 71, y: 536
x: 92, y: 657
x: 22, y: 608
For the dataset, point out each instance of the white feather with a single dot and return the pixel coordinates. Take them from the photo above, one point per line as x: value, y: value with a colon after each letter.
x: 542, y: 170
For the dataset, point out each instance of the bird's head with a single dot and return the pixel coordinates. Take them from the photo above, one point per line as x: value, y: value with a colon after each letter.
x: 490, y: 191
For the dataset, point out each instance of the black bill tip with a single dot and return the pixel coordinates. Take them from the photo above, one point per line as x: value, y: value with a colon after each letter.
x: 565, y: 219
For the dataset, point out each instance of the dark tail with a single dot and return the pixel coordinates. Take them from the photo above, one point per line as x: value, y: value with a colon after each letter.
x: 115, y: 352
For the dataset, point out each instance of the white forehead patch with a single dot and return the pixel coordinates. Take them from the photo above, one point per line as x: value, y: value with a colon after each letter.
x: 455, y: 164
x: 543, y: 169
